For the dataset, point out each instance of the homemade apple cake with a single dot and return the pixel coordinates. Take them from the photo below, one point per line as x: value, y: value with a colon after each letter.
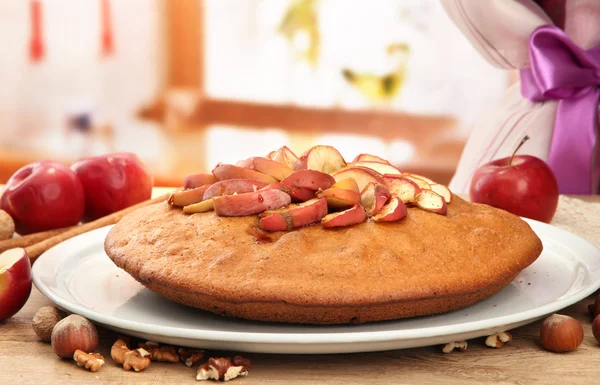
x: 361, y: 242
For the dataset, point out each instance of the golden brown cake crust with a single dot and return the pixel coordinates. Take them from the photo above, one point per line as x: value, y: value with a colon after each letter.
x: 423, y: 264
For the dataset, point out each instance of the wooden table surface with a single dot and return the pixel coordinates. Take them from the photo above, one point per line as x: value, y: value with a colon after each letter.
x: 26, y: 360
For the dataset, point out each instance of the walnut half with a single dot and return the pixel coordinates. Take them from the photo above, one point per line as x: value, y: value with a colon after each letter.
x: 220, y: 369
x: 452, y: 346
x: 497, y: 340
x: 91, y: 361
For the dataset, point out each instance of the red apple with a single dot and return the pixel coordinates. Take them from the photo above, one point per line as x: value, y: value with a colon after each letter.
x: 43, y: 196
x: 523, y: 185
x: 15, y: 281
x: 112, y: 182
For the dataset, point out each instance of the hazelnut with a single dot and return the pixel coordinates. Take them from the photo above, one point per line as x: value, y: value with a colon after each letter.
x: 596, y: 328
x: 44, y: 320
x: 594, y: 308
x: 72, y: 333
x: 561, y: 333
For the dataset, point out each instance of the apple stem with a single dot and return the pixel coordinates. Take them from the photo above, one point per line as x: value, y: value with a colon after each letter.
x: 525, y: 139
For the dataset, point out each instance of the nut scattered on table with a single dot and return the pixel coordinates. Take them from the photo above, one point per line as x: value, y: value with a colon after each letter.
x: 72, y: 333
x: 220, y: 369
x: 242, y: 361
x: 497, y: 340
x: 162, y: 353
x: 560, y: 333
x: 594, y: 308
x: 191, y: 357
x: 7, y: 226
x: 452, y: 346
x: 138, y: 359
x: 596, y: 328
x: 91, y: 361
x: 44, y: 321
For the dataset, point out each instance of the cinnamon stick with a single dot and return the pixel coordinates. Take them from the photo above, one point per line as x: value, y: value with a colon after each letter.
x: 30, y: 239
x: 34, y: 251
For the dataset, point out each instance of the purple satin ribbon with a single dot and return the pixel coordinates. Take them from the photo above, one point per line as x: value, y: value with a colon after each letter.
x: 561, y: 70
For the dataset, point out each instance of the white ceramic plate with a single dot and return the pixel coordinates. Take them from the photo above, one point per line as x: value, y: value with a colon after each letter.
x: 79, y: 277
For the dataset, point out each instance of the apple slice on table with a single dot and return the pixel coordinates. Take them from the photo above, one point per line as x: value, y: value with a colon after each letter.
x: 393, y: 211
x: 443, y: 191
x: 321, y: 158
x: 200, y: 207
x: 380, y: 167
x: 361, y: 175
x: 188, y: 197
x: 347, y: 184
x: 270, y: 167
x: 233, y: 186
x: 431, y: 201
x: 339, y: 198
x: 15, y: 281
x: 298, y: 194
x: 310, y: 179
x: 373, y: 197
x: 423, y: 184
x: 240, y: 205
x: 369, y: 158
x: 198, y: 180
x: 352, y: 216
x: 229, y: 171
x: 285, y: 156
x: 293, y: 216
x: 404, y: 188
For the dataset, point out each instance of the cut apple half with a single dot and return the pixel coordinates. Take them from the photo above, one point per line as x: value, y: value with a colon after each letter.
x: 188, y: 197
x: 252, y: 203
x: 200, y: 207
x: 369, y: 158
x: 404, y: 188
x: 423, y: 184
x: 15, y: 281
x: 233, y: 186
x: 293, y: 216
x: 347, y: 184
x: 374, y: 197
x: 443, y: 191
x: 285, y: 156
x: 339, y: 198
x: 393, y: 211
x: 321, y: 158
x: 198, y: 180
x: 431, y: 201
x: 229, y: 171
x: 361, y: 175
x: 310, y: 179
x: 352, y: 216
x: 380, y: 167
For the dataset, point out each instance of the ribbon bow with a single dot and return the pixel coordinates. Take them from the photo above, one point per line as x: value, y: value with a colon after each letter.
x: 563, y: 71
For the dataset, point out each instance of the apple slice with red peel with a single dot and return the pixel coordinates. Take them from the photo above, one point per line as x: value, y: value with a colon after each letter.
x: 198, y: 180
x: 310, y: 179
x: 352, y: 216
x: 240, y: 205
x: 443, y: 191
x: 245, y: 163
x: 432, y: 201
x: 369, y: 158
x: 393, y: 211
x: 15, y: 281
x: 200, y: 207
x: 339, y: 198
x: 361, y: 175
x: 419, y: 176
x: 380, y: 167
x: 374, y: 197
x: 188, y: 197
x: 423, y: 185
x: 229, y: 171
x: 298, y: 194
x: 233, y: 186
x: 347, y: 184
x: 284, y: 156
x: 405, y: 189
x: 321, y: 158
x: 294, y: 216
x: 270, y: 167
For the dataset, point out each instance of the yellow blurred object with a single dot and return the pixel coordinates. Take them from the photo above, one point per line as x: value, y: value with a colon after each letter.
x: 300, y: 26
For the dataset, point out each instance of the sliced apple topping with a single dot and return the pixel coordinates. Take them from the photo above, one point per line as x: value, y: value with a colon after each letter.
x: 233, y: 186
x: 310, y: 179
x: 361, y: 175
x: 347, y: 184
x: 352, y: 216
x: 285, y: 156
x: 380, y: 167
x: 420, y: 177
x: 294, y: 215
x: 270, y: 167
x: 321, y: 158
x: 443, y: 191
x: 373, y: 197
x: 188, y: 197
x: 423, y: 184
x: 198, y: 180
x: 229, y: 171
x: 298, y: 194
x: 405, y: 189
x: 201, y: 207
x: 250, y: 203
x: 431, y: 201
x: 339, y: 198
x: 369, y: 158
x: 393, y: 211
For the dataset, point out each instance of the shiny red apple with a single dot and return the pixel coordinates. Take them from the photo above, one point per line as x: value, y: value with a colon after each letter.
x: 521, y: 184
x: 15, y: 281
x: 112, y: 182
x: 42, y: 196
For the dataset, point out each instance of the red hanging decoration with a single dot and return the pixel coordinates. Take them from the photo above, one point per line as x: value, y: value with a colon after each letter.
x: 36, y: 45
x: 107, y: 42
